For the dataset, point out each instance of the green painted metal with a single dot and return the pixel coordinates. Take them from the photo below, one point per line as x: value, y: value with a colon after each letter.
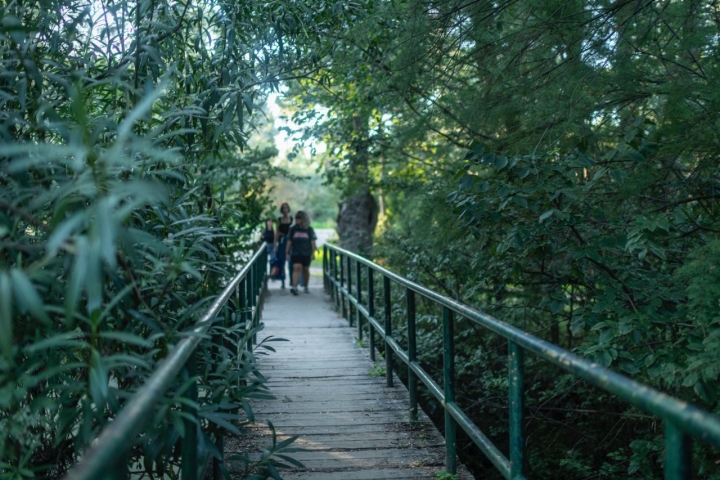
x: 371, y: 311
x: 517, y: 435
x: 115, y: 441
x: 249, y: 285
x: 326, y: 260
x: 190, y: 440
x: 119, y: 471
x: 412, y: 352
x: 350, y: 315
x: 388, y: 332
x: 342, y: 289
x: 449, y: 389
x: 685, y: 422
x: 678, y: 453
x: 358, y: 292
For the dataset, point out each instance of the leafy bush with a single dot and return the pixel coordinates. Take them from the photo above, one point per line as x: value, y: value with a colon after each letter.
x: 126, y: 202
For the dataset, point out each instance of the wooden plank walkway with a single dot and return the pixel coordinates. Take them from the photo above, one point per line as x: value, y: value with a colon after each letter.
x: 351, y: 426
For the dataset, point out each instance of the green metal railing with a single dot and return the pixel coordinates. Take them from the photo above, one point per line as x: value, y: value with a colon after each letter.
x: 683, y: 422
x: 107, y: 458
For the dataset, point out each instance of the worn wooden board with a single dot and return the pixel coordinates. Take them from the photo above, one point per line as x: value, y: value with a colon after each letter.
x: 349, y: 424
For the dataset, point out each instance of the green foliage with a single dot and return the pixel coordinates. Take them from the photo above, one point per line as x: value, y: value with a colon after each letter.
x: 585, y: 211
x: 378, y: 369
x: 443, y: 475
x: 127, y: 198
x: 305, y: 189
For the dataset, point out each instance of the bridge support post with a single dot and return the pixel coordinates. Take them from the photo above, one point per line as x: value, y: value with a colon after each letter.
x: 349, y: 290
x: 358, y: 291
x: 517, y: 434
x: 388, y: 332
x: 412, y: 352
x: 249, y: 308
x: 189, y: 465
x: 342, y: 284
x: 678, y: 453
x: 119, y: 471
x: 449, y: 384
x: 326, y: 285
x: 371, y: 312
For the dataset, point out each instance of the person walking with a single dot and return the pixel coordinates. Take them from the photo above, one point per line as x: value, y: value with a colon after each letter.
x: 301, y: 248
x: 268, y: 236
x: 281, y: 235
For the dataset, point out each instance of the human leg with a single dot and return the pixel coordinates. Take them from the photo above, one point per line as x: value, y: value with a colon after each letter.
x: 306, y: 276
x: 297, y: 269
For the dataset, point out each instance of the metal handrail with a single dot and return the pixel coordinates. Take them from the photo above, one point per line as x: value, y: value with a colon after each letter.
x: 113, y: 444
x: 683, y: 421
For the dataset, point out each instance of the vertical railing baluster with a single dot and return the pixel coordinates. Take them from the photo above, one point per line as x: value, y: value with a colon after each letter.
x: 358, y: 291
x: 241, y: 318
x: 120, y: 470
x: 678, y: 453
x: 248, y: 308
x: 253, y: 300
x: 371, y: 311
x: 342, y: 284
x: 220, y: 445
x: 189, y: 463
x: 449, y: 384
x: 335, y: 277
x: 412, y: 352
x: 349, y: 290
x: 259, y: 294
x: 263, y: 269
x: 325, y: 267
x: 517, y: 435
x: 388, y: 332
x: 219, y: 342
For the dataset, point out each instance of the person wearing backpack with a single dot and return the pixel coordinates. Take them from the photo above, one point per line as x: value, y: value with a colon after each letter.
x: 301, y: 249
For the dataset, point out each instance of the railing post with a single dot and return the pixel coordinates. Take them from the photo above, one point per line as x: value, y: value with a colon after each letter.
x: 358, y: 291
x: 342, y: 284
x: 388, y: 332
x: 333, y: 258
x: 248, y: 308
x: 517, y: 434
x: 678, y: 453
x: 325, y: 269
x: 412, y: 352
x: 449, y: 384
x: 371, y: 312
x: 349, y: 290
x: 119, y: 471
x: 263, y: 268
x: 189, y: 463
x: 256, y: 298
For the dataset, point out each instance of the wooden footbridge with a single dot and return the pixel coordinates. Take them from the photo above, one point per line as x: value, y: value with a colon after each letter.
x: 350, y: 416
x: 350, y: 424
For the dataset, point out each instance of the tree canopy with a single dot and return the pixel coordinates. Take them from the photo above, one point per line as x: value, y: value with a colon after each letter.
x: 551, y: 162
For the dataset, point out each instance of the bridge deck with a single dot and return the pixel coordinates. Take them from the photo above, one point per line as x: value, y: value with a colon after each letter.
x: 351, y: 426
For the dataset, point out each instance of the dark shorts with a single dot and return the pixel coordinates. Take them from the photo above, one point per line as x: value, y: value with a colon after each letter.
x: 303, y: 260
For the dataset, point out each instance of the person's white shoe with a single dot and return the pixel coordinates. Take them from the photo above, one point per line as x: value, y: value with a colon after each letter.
x: 294, y: 291
x: 307, y: 290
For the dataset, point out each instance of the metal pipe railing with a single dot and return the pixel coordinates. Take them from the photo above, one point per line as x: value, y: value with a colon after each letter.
x: 683, y: 421
x: 114, y: 442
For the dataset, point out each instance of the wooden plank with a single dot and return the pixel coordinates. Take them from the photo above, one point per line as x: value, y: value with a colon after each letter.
x: 349, y: 425
x: 414, y: 472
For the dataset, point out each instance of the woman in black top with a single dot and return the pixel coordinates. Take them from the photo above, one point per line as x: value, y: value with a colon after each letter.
x: 283, y: 228
x: 301, y: 243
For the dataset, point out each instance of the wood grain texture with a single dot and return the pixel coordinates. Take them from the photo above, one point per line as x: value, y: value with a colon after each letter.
x: 350, y: 425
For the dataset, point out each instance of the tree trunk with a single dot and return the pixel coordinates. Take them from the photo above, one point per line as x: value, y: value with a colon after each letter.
x: 356, y: 222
